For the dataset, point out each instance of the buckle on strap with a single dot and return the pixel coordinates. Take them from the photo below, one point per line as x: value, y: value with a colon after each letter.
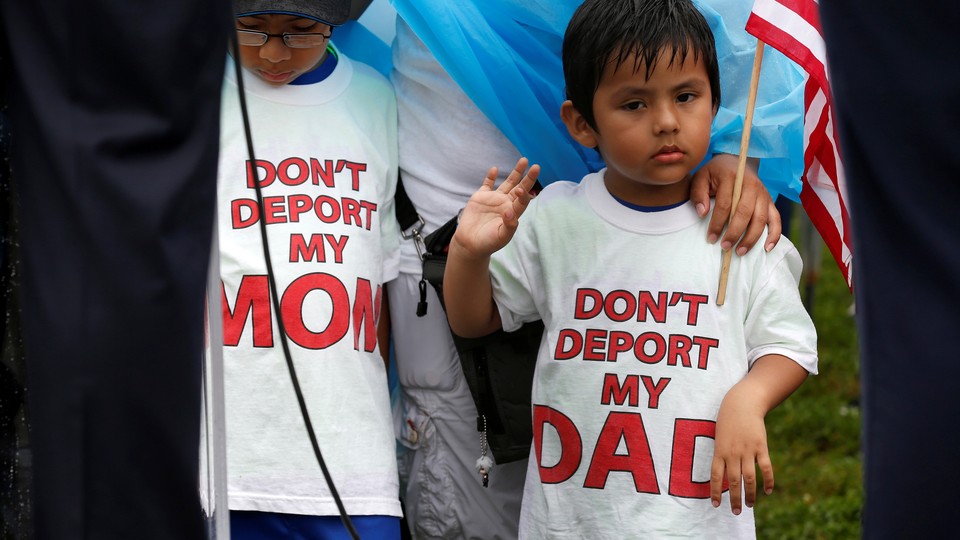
x: 414, y: 233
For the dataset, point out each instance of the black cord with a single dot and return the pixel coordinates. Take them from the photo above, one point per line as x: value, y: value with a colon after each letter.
x: 276, y: 300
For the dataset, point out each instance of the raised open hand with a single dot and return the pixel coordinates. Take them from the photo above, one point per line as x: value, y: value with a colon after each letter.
x: 491, y: 216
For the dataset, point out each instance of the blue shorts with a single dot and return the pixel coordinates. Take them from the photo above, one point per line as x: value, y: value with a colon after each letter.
x: 272, y: 526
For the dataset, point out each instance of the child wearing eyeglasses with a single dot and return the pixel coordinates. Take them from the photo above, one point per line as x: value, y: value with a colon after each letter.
x: 324, y: 135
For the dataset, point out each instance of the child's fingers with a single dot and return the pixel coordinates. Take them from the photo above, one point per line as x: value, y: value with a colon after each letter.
x: 521, y: 199
x: 749, y: 481
x: 490, y: 179
x: 766, y: 469
x: 514, y: 177
x: 521, y: 196
x: 717, y: 470
x: 733, y: 479
x: 531, y: 178
x: 511, y: 220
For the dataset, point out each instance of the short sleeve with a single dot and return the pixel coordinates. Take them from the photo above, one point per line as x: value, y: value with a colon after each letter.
x: 776, y: 321
x: 516, y: 275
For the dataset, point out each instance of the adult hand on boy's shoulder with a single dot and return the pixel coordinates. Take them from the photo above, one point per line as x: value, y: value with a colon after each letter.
x: 754, y: 210
x: 492, y: 215
x: 740, y: 445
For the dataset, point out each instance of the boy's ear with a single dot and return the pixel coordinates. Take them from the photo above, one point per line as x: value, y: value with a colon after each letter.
x: 577, y: 125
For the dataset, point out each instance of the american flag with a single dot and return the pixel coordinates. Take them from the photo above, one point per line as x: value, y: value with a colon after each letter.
x: 793, y: 28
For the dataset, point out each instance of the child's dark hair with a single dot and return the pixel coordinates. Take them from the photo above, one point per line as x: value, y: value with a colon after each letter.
x: 604, y: 31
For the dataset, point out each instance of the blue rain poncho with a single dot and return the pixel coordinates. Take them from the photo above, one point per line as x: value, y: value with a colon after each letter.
x: 505, y: 55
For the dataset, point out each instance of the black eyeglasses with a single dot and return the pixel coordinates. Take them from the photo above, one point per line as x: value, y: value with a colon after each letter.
x: 253, y: 38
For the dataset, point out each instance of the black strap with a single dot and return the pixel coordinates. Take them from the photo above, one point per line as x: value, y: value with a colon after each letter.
x: 406, y: 214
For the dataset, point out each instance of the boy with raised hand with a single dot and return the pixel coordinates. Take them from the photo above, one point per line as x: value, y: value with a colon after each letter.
x: 447, y: 142
x: 324, y: 134
x: 654, y: 395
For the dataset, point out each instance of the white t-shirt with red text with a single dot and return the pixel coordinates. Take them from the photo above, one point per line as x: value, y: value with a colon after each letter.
x: 327, y: 162
x: 635, y: 360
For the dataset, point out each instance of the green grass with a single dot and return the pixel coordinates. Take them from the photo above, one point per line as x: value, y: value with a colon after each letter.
x: 814, y: 437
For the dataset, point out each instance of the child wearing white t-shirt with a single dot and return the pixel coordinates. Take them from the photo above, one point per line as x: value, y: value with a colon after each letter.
x: 325, y: 139
x: 649, y: 399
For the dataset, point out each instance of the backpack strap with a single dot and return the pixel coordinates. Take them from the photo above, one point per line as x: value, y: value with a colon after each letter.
x: 498, y: 368
x: 411, y: 226
x: 407, y: 215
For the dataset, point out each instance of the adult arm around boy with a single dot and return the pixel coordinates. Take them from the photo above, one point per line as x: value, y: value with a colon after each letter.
x: 741, y: 436
x: 487, y: 223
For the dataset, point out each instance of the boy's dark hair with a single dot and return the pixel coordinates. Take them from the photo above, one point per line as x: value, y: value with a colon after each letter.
x: 604, y: 31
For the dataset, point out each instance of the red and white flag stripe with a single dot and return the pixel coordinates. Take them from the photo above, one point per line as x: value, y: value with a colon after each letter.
x: 793, y: 28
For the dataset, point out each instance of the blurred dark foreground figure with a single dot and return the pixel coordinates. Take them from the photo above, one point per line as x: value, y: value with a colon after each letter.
x: 896, y: 83
x: 114, y: 111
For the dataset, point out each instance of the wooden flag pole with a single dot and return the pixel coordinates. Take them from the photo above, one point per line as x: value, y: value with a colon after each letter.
x: 741, y: 166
